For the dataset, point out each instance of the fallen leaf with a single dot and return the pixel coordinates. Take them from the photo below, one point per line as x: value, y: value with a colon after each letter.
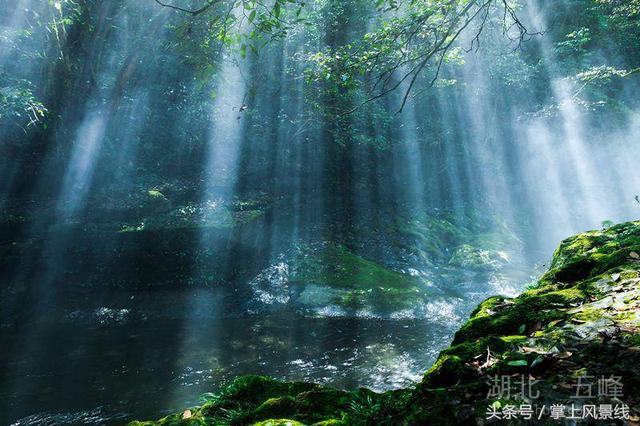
x: 634, y: 255
x: 615, y: 277
x: 187, y: 414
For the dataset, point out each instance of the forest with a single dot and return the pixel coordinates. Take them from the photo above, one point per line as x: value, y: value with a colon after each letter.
x: 319, y: 212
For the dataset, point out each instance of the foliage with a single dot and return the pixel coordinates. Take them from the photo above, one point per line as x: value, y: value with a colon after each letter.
x: 597, y: 46
x: 18, y: 104
x: 26, y: 46
x: 354, y: 56
x: 242, y: 26
x: 408, y: 37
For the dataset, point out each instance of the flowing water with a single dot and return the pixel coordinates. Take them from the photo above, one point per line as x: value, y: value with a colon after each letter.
x: 107, y: 359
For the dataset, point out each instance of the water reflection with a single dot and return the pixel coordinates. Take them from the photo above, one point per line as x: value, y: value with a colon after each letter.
x: 112, y: 359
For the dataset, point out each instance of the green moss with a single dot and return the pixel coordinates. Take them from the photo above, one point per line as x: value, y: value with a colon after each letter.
x: 626, y: 316
x: 155, y: 194
x: 468, y: 256
x: 338, y: 267
x: 588, y: 314
x: 258, y: 398
x: 432, y: 235
x: 594, y: 252
x: 454, y: 362
x: 174, y: 420
x: 278, y: 422
x: 354, y: 282
x: 157, y: 213
x: 278, y: 406
x: 253, y: 390
x: 488, y: 307
x: 633, y: 339
x: 497, y: 324
x: 516, y: 339
x: 309, y: 406
x: 627, y: 274
x: 332, y: 422
x: 527, y: 312
x: 438, y: 239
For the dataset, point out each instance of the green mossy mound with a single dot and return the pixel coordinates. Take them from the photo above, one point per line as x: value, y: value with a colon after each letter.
x: 328, y: 277
x: 336, y: 266
x: 582, y: 318
x: 354, y: 283
x: 439, y: 240
x: 263, y: 401
x: 279, y: 422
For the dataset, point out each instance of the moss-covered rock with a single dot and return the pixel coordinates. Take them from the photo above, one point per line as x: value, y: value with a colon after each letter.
x: 158, y: 213
x: 470, y: 257
x: 439, y: 240
x: 331, y: 279
x: 580, y: 320
x: 263, y: 401
x: 279, y: 422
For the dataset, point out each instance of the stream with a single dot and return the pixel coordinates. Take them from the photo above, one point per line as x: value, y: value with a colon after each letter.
x: 112, y: 358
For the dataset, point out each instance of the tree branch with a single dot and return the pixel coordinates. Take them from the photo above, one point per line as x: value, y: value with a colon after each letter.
x: 195, y: 12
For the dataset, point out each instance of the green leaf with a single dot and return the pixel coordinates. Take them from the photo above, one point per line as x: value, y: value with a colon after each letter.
x: 518, y: 363
x: 522, y: 329
x: 537, y: 361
